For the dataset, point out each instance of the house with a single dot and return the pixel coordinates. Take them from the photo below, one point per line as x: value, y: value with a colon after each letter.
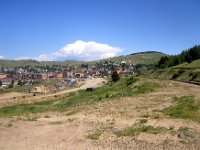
x: 68, y: 74
x: 93, y: 73
x: 4, y: 86
x: 119, y: 70
x: 2, y: 76
x: 44, y: 76
x: 70, y: 81
x: 50, y: 76
x: 32, y: 76
x: 5, y: 76
x: 58, y: 75
x: 105, y: 72
x: 59, y: 86
x: 79, y: 75
x: 65, y: 74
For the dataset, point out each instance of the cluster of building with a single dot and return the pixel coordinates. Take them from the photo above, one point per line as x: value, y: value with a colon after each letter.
x: 30, y: 74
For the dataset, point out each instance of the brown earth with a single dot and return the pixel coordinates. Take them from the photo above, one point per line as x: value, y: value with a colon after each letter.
x: 77, y: 128
x: 13, y: 98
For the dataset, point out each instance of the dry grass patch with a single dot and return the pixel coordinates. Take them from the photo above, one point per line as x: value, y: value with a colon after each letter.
x: 185, y: 108
x: 95, y: 135
x: 133, y: 131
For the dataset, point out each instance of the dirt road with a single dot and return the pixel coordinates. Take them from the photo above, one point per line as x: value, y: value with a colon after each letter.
x: 15, y: 98
x: 93, y: 127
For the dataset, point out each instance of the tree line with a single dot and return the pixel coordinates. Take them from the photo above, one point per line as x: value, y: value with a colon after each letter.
x: 185, y: 56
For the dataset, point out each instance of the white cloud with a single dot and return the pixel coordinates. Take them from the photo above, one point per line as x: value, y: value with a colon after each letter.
x: 80, y: 50
x: 2, y: 57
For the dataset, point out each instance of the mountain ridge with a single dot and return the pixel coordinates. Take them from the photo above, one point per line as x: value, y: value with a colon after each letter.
x: 146, y: 57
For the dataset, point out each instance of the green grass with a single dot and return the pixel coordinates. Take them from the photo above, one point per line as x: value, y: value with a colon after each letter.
x: 192, y: 65
x: 19, y: 89
x: 131, y: 131
x: 24, y: 109
x: 174, y: 73
x: 185, y: 71
x: 109, y: 92
x: 95, y: 135
x: 185, y: 108
x: 143, y: 121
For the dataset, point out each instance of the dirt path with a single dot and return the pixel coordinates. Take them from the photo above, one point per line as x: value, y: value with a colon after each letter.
x: 15, y: 98
x: 78, y: 128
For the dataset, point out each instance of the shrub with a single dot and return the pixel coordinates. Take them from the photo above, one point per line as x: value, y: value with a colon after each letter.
x: 115, y: 76
x: 194, y: 76
x: 176, y: 75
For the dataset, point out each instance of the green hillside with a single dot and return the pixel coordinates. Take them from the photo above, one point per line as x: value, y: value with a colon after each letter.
x: 193, y: 65
x: 148, y: 57
x: 185, y: 72
x: 19, y: 63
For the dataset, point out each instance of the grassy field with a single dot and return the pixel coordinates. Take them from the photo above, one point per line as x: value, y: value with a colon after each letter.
x: 193, y: 65
x: 185, y: 72
x: 185, y: 108
x: 174, y: 73
x: 127, y: 86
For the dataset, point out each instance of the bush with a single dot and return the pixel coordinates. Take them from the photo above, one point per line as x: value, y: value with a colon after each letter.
x: 194, y: 76
x: 115, y: 76
x: 176, y: 75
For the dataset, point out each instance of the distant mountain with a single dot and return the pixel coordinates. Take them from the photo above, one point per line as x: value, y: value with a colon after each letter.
x: 148, y: 52
x: 148, y: 57
x: 20, y: 63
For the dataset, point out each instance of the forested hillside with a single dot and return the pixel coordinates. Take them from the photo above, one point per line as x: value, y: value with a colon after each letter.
x: 185, y: 56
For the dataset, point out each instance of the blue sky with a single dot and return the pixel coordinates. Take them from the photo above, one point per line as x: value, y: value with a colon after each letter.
x: 93, y: 29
